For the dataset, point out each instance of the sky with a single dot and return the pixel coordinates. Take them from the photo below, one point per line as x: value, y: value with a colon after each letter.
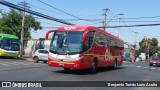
x: 135, y: 12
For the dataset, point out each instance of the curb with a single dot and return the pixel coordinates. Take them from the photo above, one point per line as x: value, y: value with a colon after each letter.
x: 29, y: 59
x: 26, y: 58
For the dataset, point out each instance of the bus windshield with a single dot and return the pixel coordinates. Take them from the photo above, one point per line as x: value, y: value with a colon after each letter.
x: 68, y: 42
x: 10, y: 44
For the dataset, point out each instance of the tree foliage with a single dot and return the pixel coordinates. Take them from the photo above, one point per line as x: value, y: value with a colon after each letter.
x: 151, y: 44
x: 11, y: 23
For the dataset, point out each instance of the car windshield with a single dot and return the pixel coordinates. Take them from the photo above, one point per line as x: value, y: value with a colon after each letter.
x: 10, y: 44
x: 156, y: 59
x: 66, y: 42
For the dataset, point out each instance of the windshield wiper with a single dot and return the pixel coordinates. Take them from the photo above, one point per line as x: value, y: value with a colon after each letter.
x: 68, y: 50
x: 56, y: 50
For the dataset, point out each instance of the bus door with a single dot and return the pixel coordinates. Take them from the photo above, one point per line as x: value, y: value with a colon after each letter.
x: 88, y: 49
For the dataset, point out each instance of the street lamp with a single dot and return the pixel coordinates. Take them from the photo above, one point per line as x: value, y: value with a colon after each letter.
x: 119, y: 23
x: 114, y: 17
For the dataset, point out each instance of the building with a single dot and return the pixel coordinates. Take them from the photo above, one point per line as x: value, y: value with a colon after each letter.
x: 30, y: 46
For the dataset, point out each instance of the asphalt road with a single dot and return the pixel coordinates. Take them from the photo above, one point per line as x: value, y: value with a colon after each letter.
x: 22, y: 70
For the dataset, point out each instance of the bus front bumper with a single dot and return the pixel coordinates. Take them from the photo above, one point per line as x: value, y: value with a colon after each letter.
x: 4, y: 54
x: 65, y: 64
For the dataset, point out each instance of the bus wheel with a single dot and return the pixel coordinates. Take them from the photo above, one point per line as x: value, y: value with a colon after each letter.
x: 44, y: 61
x: 94, y: 67
x: 67, y: 69
x: 36, y: 60
x: 115, y: 64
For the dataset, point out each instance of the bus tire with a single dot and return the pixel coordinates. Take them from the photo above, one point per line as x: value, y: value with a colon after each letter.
x: 44, y: 61
x: 114, y: 65
x: 94, y: 67
x: 36, y: 60
x: 67, y: 69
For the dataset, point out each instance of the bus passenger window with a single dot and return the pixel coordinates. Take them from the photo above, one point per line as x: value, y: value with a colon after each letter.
x: 101, y: 39
x: 88, y: 42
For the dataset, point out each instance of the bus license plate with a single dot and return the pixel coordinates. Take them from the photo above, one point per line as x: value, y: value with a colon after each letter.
x: 61, y: 64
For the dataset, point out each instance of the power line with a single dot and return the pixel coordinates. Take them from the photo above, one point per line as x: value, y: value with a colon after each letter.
x: 140, y: 25
x: 126, y: 37
x: 111, y: 20
x: 138, y: 32
x: 40, y: 8
x: 43, y: 9
x: 63, y: 11
x: 94, y: 23
x: 33, y: 12
x: 142, y: 17
x: 139, y: 21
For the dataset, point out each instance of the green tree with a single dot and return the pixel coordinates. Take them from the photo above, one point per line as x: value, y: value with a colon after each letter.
x: 151, y: 43
x: 11, y: 23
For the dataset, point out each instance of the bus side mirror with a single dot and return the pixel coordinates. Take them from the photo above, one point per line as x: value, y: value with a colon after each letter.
x: 47, y: 34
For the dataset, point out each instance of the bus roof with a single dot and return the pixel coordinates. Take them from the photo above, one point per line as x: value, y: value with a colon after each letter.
x: 9, y: 36
x: 86, y: 27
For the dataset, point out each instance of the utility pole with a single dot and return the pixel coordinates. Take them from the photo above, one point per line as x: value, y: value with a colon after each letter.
x: 145, y: 48
x: 148, y: 48
x: 22, y: 31
x: 135, y: 45
x: 104, y: 20
x: 119, y: 23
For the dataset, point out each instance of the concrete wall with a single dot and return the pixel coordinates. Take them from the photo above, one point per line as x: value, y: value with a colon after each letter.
x: 30, y: 46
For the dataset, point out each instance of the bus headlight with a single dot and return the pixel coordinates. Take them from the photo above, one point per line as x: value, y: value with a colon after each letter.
x: 73, y: 59
x: 77, y: 58
x: 52, y: 57
x: 65, y: 57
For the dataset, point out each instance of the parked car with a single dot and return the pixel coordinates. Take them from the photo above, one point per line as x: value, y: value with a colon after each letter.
x: 40, y: 55
x: 154, y: 61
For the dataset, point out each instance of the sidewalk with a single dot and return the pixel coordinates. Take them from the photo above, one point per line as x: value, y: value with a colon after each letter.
x: 28, y: 58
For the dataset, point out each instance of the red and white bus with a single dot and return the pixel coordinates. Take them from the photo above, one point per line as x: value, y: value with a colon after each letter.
x: 82, y: 47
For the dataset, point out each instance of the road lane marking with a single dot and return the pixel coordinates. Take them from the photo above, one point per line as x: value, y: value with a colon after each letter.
x: 125, y: 65
x: 145, y: 67
x: 152, y: 68
x: 18, y: 63
x: 4, y: 64
x: 132, y: 65
x: 138, y: 66
x: 12, y: 63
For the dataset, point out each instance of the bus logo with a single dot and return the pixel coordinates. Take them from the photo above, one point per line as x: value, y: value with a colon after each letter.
x: 6, y: 84
x: 69, y: 28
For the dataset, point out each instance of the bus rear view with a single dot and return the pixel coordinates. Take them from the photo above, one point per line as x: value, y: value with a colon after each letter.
x: 74, y: 47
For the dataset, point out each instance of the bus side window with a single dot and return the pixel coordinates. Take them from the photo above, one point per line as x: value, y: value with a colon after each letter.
x: 88, y: 41
x: 101, y: 39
